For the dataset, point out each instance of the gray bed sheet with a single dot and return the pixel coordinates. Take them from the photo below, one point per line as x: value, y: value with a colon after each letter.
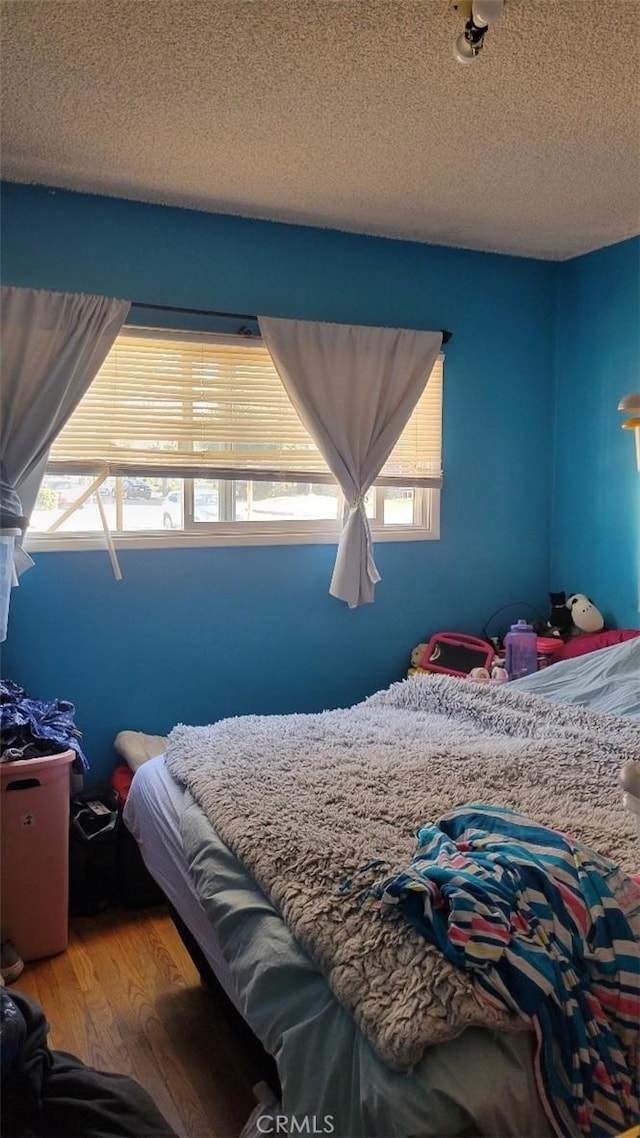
x: 606, y: 680
x: 480, y: 1083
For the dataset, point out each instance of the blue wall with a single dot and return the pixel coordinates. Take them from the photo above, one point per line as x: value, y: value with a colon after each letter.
x: 191, y: 635
x: 595, y: 535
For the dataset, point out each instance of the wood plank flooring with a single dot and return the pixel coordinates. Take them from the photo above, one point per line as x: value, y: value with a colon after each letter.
x: 126, y: 997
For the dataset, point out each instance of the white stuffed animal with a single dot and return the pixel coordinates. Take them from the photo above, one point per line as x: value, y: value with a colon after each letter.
x: 584, y: 614
x: 482, y: 676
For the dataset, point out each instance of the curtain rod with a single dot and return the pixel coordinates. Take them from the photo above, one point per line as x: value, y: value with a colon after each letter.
x: 446, y: 336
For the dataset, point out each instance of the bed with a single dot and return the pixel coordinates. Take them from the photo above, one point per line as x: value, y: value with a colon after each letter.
x: 258, y: 829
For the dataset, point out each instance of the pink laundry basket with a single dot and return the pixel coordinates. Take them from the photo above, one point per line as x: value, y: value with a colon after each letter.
x: 35, y: 853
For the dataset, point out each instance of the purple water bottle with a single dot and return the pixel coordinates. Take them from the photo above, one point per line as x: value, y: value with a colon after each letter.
x: 521, y: 645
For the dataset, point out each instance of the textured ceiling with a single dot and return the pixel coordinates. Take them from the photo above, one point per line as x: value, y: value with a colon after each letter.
x: 348, y: 114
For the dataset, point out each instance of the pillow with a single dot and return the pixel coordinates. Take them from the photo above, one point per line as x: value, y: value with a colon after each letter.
x: 591, y: 642
x: 136, y: 747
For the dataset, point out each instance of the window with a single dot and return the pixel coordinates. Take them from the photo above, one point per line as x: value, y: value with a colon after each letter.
x: 190, y: 438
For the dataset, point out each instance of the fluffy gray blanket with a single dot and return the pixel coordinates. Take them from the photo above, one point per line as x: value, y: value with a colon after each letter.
x: 307, y: 802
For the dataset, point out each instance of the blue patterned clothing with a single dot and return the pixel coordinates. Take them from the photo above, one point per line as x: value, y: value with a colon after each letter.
x: 550, y: 930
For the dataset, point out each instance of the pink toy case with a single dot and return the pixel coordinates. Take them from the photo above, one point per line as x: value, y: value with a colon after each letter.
x: 455, y: 654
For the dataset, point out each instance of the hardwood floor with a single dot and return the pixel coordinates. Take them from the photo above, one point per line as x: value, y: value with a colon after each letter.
x: 126, y: 997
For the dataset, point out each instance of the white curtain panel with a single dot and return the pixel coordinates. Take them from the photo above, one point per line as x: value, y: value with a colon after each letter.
x: 354, y: 388
x: 53, y: 344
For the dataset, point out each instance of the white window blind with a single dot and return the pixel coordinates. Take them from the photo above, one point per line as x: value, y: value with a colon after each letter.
x: 188, y: 405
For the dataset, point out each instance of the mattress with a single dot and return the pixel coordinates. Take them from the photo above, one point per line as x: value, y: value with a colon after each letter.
x: 480, y: 1083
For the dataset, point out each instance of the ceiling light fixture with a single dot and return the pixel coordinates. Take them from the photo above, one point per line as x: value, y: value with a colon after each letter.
x: 478, y: 14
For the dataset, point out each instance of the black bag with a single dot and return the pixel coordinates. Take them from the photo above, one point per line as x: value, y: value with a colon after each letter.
x: 93, y: 852
x: 137, y: 888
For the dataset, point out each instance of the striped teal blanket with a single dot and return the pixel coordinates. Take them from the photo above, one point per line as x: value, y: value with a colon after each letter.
x: 548, y: 929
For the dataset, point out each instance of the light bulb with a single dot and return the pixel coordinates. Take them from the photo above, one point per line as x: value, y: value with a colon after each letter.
x: 463, y: 51
x: 485, y: 12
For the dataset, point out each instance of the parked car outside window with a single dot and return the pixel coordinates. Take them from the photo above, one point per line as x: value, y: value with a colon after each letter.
x: 205, y: 505
x: 205, y: 508
x: 135, y: 488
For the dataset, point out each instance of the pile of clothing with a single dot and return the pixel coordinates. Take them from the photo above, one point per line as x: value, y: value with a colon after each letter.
x: 549, y: 929
x: 47, y: 1092
x: 33, y: 728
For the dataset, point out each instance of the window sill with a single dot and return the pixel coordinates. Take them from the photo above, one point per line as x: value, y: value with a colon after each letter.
x: 78, y: 543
